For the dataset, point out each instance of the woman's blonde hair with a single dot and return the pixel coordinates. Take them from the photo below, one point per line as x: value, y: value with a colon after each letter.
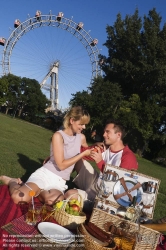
x: 77, y: 113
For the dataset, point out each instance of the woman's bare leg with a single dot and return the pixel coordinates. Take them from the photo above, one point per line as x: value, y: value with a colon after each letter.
x: 6, y: 179
x: 51, y: 196
x: 18, y: 191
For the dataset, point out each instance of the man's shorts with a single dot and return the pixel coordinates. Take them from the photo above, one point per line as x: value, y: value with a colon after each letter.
x: 87, y: 181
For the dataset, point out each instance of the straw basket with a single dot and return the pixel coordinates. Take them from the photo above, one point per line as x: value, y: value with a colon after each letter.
x: 146, y: 238
x: 68, y: 220
x: 89, y: 243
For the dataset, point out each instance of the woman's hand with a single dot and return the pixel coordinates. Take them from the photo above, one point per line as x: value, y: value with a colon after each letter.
x: 87, y: 152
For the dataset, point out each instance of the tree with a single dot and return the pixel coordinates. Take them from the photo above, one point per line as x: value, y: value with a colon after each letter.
x: 133, y: 87
x: 35, y: 102
x: 13, y: 92
x: 3, y: 90
x: 137, y: 51
x: 24, y: 97
x: 105, y: 101
x: 137, y: 62
x: 81, y: 98
x: 101, y: 100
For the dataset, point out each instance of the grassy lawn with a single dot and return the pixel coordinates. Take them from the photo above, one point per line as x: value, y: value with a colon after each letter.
x: 148, y: 168
x: 23, y: 147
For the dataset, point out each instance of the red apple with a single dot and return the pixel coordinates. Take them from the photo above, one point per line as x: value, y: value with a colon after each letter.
x: 75, y: 207
x: 95, y: 149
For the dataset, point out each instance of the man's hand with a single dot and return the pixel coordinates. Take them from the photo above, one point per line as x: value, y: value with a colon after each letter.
x: 96, y: 154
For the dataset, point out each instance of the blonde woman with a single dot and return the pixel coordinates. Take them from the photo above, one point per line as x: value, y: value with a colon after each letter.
x: 49, y: 181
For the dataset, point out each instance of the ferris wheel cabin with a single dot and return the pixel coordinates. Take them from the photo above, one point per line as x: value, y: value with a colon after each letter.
x: 38, y: 15
x: 2, y: 41
x: 94, y: 42
x: 16, y: 23
x: 59, y: 16
x: 79, y: 26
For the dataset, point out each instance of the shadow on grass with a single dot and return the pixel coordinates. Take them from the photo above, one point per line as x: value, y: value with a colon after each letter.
x: 29, y: 165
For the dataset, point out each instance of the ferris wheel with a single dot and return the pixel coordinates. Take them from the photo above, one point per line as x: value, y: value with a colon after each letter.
x: 44, y: 48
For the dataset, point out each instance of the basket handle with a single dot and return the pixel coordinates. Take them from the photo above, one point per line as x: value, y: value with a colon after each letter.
x: 81, y: 201
x: 56, y: 200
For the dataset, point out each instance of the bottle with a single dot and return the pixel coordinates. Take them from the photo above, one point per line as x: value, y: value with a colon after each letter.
x: 133, y: 204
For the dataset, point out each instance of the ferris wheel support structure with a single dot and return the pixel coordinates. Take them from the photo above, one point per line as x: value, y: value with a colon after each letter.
x: 64, y: 23
x: 53, y: 73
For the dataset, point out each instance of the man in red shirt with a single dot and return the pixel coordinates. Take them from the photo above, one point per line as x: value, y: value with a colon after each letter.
x: 116, y: 154
x: 112, y: 151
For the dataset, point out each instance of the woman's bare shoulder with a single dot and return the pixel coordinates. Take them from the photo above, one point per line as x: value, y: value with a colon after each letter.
x: 57, y: 135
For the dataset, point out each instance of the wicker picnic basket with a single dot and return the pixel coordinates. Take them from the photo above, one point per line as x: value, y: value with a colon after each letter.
x: 68, y: 220
x: 89, y: 243
x: 146, y: 238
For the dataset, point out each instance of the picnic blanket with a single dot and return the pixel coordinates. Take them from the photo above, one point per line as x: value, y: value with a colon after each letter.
x: 8, y: 212
x: 28, y: 235
x: 15, y: 234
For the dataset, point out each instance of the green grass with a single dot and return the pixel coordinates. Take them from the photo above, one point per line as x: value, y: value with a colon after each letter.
x: 157, y: 171
x: 24, y: 146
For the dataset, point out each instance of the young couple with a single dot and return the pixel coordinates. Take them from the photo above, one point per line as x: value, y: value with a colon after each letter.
x: 68, y: 151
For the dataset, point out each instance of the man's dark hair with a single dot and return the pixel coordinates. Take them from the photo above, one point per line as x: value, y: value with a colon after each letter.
x: 118, y: 126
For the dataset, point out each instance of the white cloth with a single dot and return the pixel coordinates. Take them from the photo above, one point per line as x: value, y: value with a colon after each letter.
x: 47, y: 180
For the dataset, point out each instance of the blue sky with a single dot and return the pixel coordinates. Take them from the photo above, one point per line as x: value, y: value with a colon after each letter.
x: 76, y: 68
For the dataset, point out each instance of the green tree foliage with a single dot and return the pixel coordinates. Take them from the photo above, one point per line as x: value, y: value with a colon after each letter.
x: 133, y: 87
x: 137, y: 56
x: 35, y: 102
x: 102, y: 101
x: 106, y: 98
x: 81, y: 98
x: 3, y: 91
x: 13, y: 91
x: 24, y: 97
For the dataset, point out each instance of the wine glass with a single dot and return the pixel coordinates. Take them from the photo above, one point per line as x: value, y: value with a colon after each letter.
x: 105, y: 193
